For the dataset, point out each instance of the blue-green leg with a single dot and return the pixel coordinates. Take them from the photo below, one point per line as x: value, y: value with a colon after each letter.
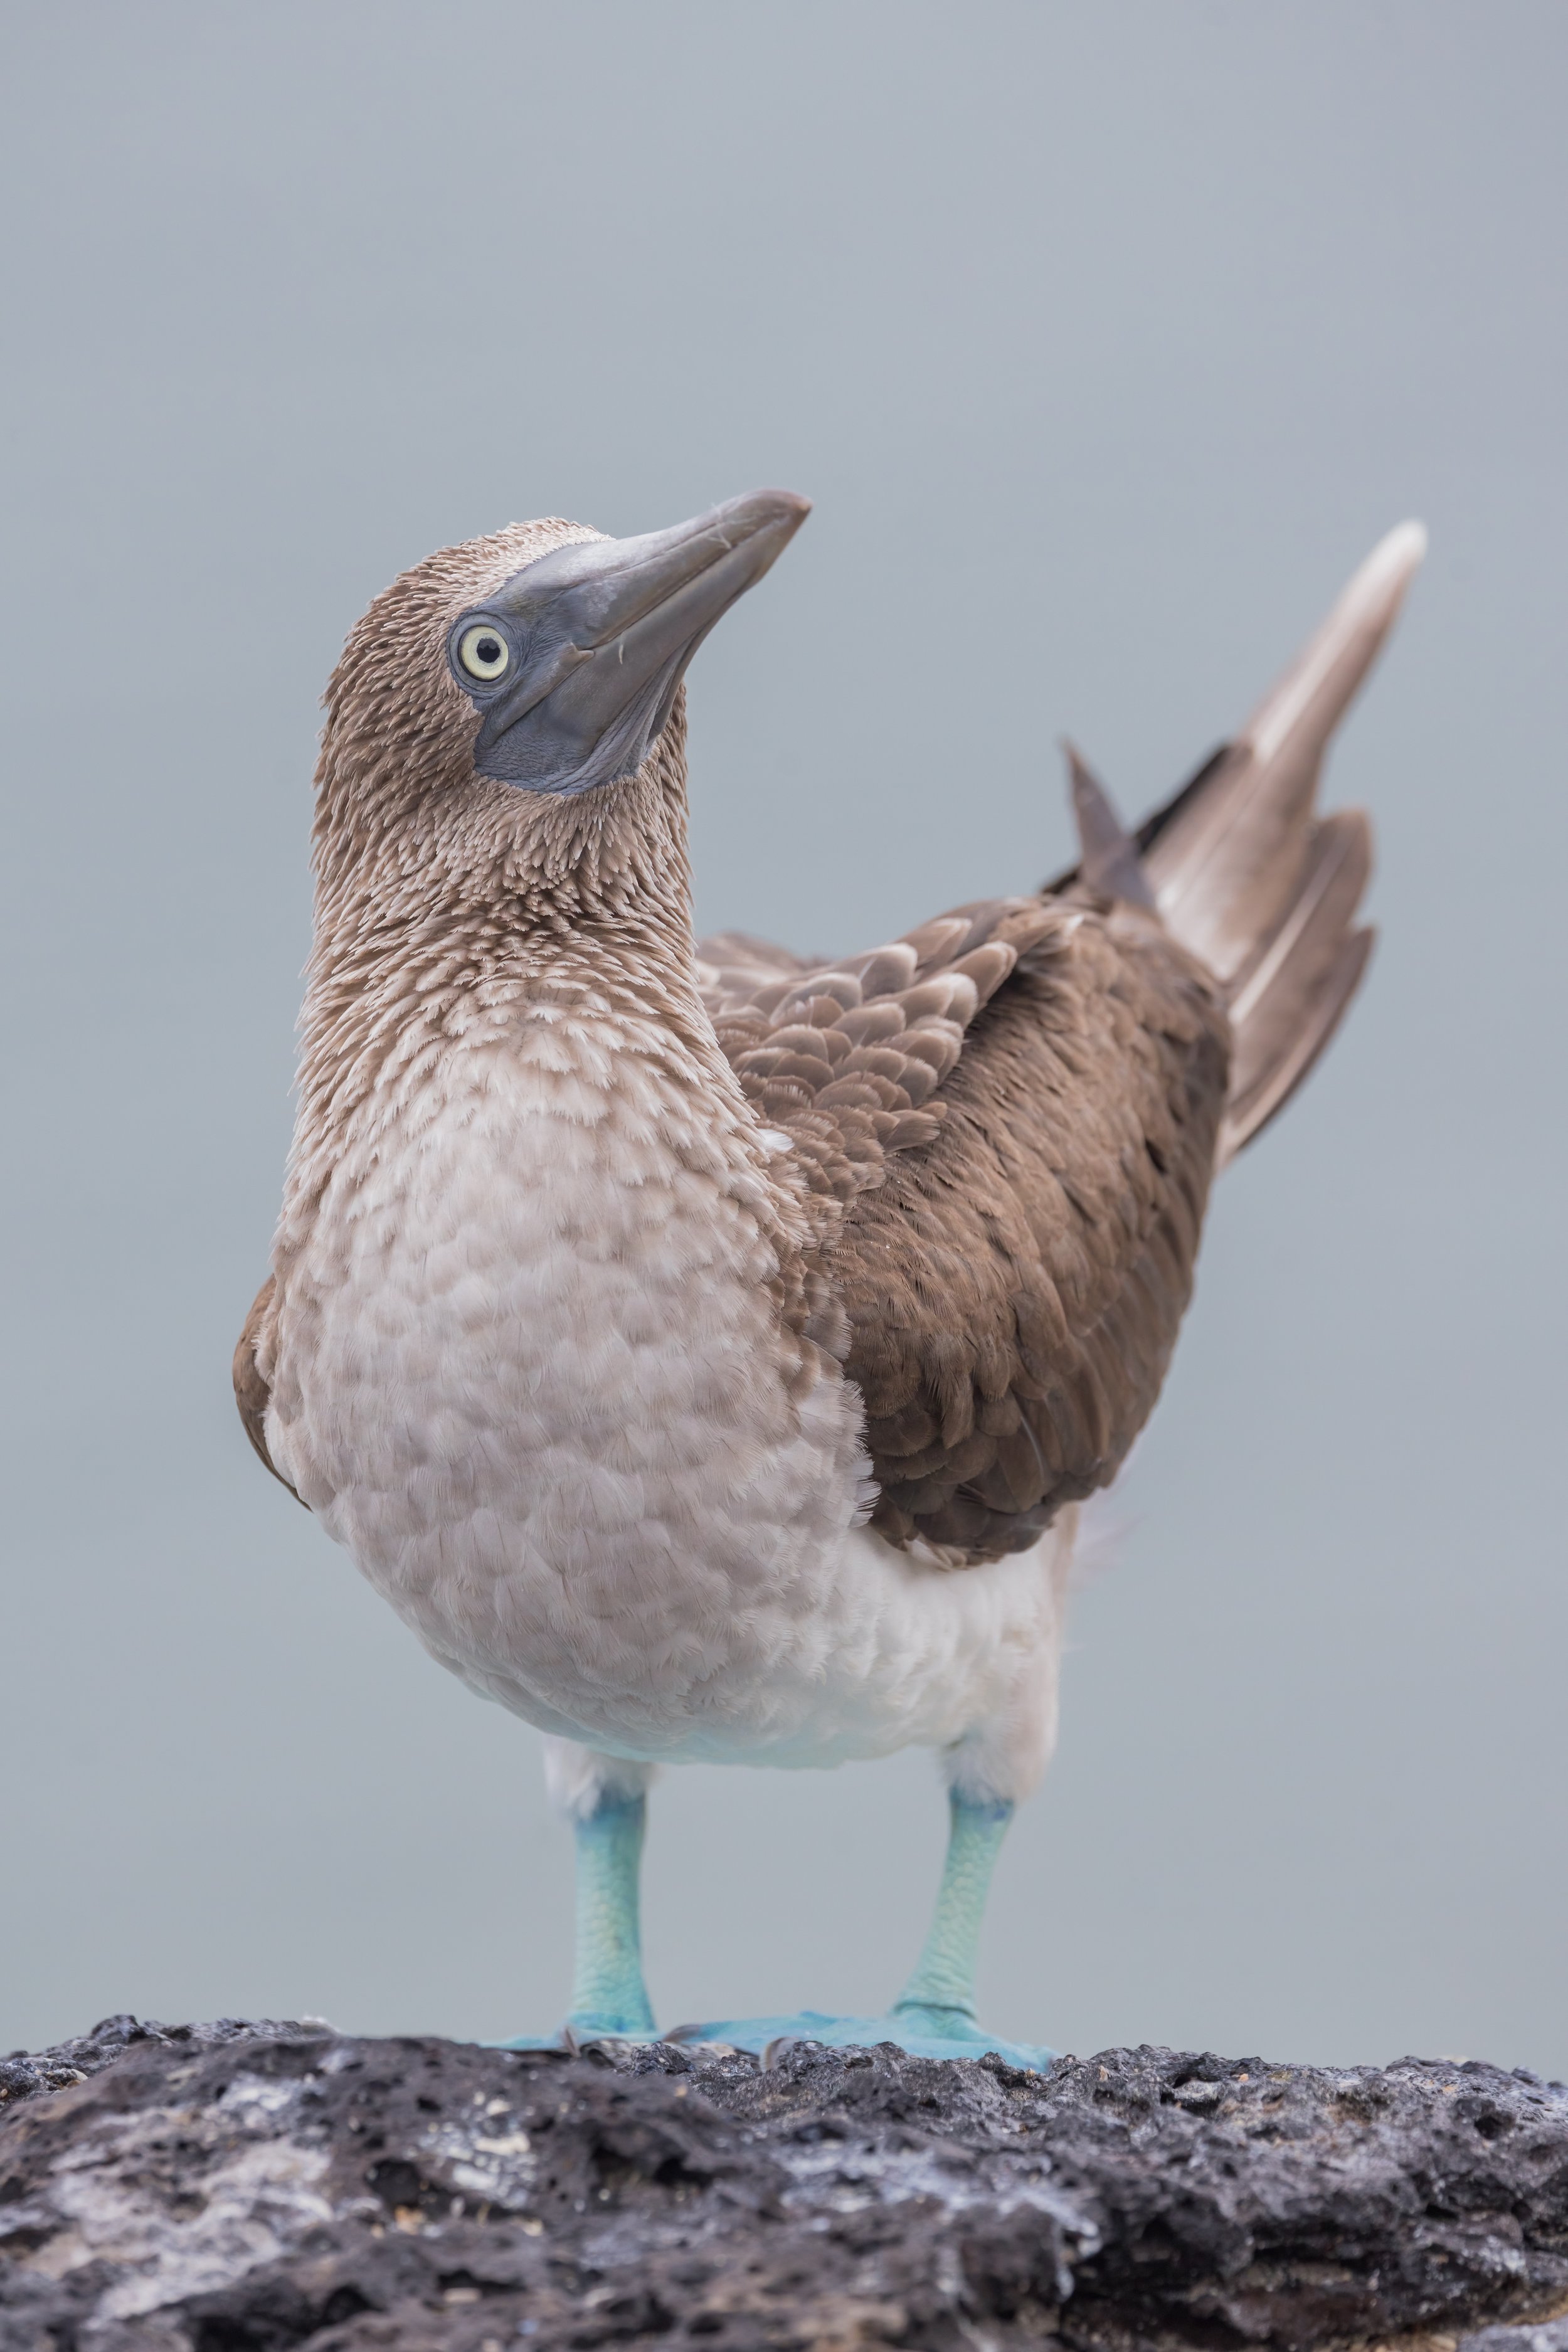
x: 939, y: 1998
x: 608, y: 1995
x: 934, y: 2015
x: 602, y: 1796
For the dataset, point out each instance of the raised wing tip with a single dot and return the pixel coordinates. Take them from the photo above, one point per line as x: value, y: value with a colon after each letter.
x: 1371, y: 595
x: 1399, y: 554
x: 1320, y: 681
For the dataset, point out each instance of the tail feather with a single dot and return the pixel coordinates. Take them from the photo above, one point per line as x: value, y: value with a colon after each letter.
x: 1249, y: 876
x: 1109, y: 859
x: 1304, y: 963
x: 1320, y: 1017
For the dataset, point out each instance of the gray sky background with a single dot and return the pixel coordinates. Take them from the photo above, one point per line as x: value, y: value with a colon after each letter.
x: 1108, y: 337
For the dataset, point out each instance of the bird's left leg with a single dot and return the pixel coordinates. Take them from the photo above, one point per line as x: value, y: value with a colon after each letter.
x: 938, y: 2001
x: 997, y: 1762
x: 605, y: 1797
x: 934, y: 2016
x: 1003, y: 1758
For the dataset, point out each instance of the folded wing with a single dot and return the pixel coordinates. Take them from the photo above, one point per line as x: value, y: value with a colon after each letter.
x: 1008, y: 1120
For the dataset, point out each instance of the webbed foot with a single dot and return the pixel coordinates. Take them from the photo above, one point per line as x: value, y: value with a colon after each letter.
x: 633, y: 2023
x: 924, y: 2032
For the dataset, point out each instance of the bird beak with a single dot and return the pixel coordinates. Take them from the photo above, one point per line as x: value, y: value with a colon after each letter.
x: 601, y: 635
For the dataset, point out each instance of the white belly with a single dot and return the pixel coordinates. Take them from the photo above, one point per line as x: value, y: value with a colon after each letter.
x: 530, y: 1374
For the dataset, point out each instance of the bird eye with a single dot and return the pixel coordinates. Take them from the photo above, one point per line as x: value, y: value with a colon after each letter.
x: 484, y: 652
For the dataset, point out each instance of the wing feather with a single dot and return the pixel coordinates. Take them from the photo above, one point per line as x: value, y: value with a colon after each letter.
x: 1009, y: 1118
x: 251, y: 1393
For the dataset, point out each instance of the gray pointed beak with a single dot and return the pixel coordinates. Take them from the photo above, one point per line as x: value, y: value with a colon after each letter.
x: 598, y: 637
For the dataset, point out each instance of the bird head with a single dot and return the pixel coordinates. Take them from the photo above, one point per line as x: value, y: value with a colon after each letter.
x: 500, y: 684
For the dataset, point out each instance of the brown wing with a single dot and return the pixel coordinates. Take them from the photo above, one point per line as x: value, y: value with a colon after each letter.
x: 1010, y: 1117
x: 1014, y: 1289
x: 251, y: 1389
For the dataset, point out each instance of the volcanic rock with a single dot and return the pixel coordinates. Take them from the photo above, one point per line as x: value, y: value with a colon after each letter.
x: 254, y: 2187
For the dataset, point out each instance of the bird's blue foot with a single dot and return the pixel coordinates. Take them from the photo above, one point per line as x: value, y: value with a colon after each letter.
x: 577, y: 2031
x: 923, y: 2032
x: 587, y: 2025
x: 935, y: 2016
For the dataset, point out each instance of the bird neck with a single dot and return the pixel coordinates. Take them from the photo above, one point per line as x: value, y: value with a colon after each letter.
x: 444, y: 936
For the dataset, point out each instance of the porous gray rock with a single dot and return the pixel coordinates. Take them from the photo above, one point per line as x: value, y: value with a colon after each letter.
x: 253, y: 2188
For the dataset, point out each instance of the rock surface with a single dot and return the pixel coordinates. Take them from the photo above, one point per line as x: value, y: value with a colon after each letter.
x: 244, y: 2187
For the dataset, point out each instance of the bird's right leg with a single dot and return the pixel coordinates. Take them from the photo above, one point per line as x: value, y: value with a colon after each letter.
x: 605, y: 1797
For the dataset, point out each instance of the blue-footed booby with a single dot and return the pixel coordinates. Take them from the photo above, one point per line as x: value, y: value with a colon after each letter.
x: 705, y: 1350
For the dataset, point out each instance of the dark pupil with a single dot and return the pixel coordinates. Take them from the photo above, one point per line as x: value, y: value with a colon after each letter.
x: 489, y: 649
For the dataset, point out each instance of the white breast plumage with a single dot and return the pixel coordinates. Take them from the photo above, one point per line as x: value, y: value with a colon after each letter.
x: 538, y: 1391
